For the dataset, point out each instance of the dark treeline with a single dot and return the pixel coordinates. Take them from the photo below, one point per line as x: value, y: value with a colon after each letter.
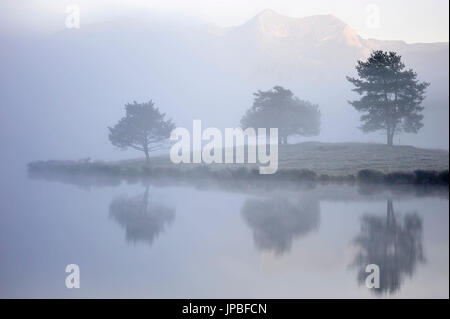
x: 248, y: 174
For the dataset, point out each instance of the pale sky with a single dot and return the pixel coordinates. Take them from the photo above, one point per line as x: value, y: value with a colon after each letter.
x: 409, y: 20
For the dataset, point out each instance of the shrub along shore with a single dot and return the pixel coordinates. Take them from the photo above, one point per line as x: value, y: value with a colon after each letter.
x: 229, y: 172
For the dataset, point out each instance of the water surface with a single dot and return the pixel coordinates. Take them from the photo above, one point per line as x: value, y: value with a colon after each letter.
x: 169, y: 240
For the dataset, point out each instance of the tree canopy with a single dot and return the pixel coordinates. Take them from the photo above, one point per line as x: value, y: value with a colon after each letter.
x: 143, y: 128
x: 391, y: 95
x: 279, y: 108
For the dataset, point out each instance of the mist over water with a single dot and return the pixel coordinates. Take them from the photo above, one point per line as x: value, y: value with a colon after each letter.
x: 144, y: 240
x: 198, y: 238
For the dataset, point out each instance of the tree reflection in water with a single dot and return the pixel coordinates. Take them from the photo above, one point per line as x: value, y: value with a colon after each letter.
x: 142, y: 220
x: 393, y: 243
x: 277, y: 221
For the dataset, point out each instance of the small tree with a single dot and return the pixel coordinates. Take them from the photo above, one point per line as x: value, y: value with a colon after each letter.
x: 143, y: 128
x: 391, y: 95
x: 279, y: 108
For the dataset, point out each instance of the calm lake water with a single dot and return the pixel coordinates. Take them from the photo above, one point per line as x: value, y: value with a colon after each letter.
x: 155, y: 240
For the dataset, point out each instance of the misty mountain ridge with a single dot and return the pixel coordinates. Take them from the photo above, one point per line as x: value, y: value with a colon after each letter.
x: 201, y: 72
x: 270, y: 25
x: 318, y: 28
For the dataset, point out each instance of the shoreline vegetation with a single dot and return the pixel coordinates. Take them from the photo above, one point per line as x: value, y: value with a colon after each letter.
x: 352, y: 163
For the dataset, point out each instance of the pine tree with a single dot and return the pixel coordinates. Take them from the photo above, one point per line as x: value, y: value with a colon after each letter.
x: 143, y: 128
x: 391, y: 96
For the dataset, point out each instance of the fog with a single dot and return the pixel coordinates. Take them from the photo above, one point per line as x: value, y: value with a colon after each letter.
x: 60, y: 91
x: 155, y: 229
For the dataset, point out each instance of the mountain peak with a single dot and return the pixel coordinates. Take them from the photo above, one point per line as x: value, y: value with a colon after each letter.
x: 268, y: 12
x: 270, y: 24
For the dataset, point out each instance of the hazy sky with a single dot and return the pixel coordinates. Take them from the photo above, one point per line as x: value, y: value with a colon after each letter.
x: 409, y: 20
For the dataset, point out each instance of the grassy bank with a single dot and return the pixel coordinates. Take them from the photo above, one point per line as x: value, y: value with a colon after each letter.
x: 311, y: 162
x: 338, y: 159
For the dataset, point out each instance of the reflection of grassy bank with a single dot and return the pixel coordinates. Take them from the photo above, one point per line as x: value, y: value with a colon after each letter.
x: 87, y: 175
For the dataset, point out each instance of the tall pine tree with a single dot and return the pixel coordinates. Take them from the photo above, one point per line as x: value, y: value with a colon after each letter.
x: 391, y: 96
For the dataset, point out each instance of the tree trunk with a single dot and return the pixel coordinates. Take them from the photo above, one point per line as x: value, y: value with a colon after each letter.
x: 145, y: 147
x: 390, y: 141
x: 390, y: 137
